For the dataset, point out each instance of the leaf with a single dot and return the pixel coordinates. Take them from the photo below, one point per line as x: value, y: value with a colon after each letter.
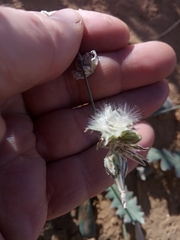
x: 154, y: 155
x: 168, y: 160
x: 165, y: 108
x: 161, y: 111
x: 87, y: 225
x: 132, y: 213
x: 177, y: 165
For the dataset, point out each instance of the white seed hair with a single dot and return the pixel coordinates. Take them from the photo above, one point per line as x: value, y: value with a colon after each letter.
x: 111, y: 121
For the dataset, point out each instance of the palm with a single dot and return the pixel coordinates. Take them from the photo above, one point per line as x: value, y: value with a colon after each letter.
x: 23, y: 175
x: 45, y: 155
x: 40, y: 145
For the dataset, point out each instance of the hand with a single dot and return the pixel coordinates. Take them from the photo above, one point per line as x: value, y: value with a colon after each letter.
x: 48, y: 165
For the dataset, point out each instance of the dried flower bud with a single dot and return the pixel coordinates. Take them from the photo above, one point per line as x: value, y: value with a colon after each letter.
x: 89, y: 61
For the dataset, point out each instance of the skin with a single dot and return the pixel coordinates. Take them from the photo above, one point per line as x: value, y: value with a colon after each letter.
x: 48, y: 165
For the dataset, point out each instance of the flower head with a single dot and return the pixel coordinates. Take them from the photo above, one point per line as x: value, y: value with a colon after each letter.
x: 116, y: 127
x: 113, y: 123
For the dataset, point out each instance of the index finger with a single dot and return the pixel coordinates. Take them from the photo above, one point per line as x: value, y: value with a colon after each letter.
x: 43, y: 47
x: 103, y: 32
x: 35, y: 48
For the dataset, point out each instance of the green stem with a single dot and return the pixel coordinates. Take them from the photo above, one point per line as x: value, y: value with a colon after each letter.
x: 124, y: 231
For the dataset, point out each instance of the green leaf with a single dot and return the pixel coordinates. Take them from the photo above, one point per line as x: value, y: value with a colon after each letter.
x: 87, y: 224
x: 154, y: 155
x: 177, y: 163
x: 168, y: 160
x: 166, y: 107
x: 165, y: 110
x: 132, y: 213
x: 129, y: 137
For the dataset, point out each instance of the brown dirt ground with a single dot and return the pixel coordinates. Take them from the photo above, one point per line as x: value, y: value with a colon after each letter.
x: 159, y: 196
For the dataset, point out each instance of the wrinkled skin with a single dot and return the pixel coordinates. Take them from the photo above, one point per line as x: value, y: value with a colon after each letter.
x: 48, y: 165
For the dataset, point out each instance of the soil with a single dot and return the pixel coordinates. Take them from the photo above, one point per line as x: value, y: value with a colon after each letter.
x: 159, y: 195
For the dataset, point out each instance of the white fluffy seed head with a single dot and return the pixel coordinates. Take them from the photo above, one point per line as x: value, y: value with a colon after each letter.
x: 111, y: 121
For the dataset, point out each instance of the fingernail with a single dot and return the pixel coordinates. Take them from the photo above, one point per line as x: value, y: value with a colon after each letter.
x: 67, y: 15
x: 48, y: 14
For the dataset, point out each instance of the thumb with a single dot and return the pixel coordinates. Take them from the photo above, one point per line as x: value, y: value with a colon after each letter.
x: 35, y: 48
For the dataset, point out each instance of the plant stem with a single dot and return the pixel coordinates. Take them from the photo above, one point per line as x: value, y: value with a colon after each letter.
x: 125, y: 209
x: 87, y: 85
x: 124, y: 231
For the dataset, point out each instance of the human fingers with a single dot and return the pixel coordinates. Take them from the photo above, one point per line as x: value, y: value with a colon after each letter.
x: 103, y: 32
x: 131, y: 67
x: 45, y: 46
x: 61, y: 133
x: 83, y: 176
x: 41, y: 47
